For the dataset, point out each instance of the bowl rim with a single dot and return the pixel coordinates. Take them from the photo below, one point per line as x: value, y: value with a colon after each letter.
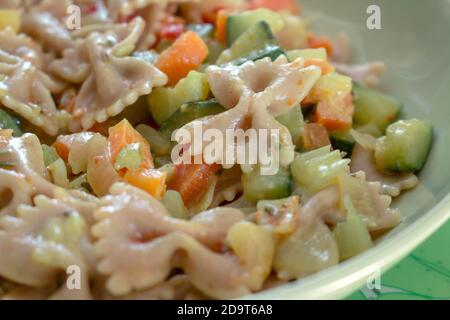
x: 343, y: 279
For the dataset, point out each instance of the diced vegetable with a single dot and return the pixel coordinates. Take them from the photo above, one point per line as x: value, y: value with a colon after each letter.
x: 191, y: 111
x: 80, y: 182
x: 336, y: 114
x: 361, y: 197
x: 160, y: 144
x: 320, y: 42
x: 172, y: 27
x: 204, y: 30
x: 10, y: 18
x: 187, y: 53
x: 8, y: 121
x: 315, y: 173
x: 352, y: 236
x: 100, y: 169
x: 373, y: 107
x: 62, y: 145
x: 123, y: 134
x: 192, y: 181
x: 259, y: 187
x: 129, y: 157
x: 293, y: 120
x: 319, y: 53
x: 220, y: 33
x: 367, y: 141
x: 330, y: 87
x: 290, y: 6
x: 256, y: 259
x: 150, y: 180
x: 405, y: 147
x: 324, y: 65
x: 58, y: 171
x: 50, y: 154
x: 238, y: 23
x: 164, y: 102
x: 314, y: 136
x: 255, y: 43
x: 215, y: 50
x: 174, y: 204
x: 344, y: 142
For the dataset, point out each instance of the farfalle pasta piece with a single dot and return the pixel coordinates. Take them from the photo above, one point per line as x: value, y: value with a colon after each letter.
x: 392, y: 185
x: 116, y: 80
x: 311, y: 247
x: 177, y: 287
x: 28, y: 91
x: 138, y: 241
x: 14, y: 191
x: 46, y: 22
x: 42, y: 239
x: 122, y: 9
x: 257, y: 92
x: 228, y: 186
x: 24, y: 155
x: 21, y: 46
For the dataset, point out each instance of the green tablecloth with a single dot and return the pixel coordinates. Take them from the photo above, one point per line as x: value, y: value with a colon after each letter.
x: 424, y: 274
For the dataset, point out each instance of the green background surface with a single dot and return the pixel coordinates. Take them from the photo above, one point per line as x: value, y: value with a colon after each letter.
x: 424, y: 274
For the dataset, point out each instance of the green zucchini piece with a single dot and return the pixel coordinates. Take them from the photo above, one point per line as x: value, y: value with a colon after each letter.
x: 238, y: 23
x: 160, y: 144
x: 294, y: 122
x: 266, y: 187
x: 405, y: 147
x: 50, y: 154
x: 256, y: 43
x: 318, y: 169
x: 343, y: 142
x: 8, y: 121
x: 189, y: 112
x: 352, y: 236
x: 163, y: 102
x: 373, y: 107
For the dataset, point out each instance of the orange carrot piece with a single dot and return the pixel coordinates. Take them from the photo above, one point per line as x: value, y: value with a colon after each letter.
x: 315, y: 136
x: 123, y: 134
x: 290, y: 6
x: 192, y: 180
x: 187, y: 53
x: 324, y: 65
x: 63, y: 145
x: 221, y: 26
x: 150, y: 180
x: 320, y: 42
x: 336, y: 116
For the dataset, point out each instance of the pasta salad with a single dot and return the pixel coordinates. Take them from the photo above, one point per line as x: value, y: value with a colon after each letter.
x: 92, y: 94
